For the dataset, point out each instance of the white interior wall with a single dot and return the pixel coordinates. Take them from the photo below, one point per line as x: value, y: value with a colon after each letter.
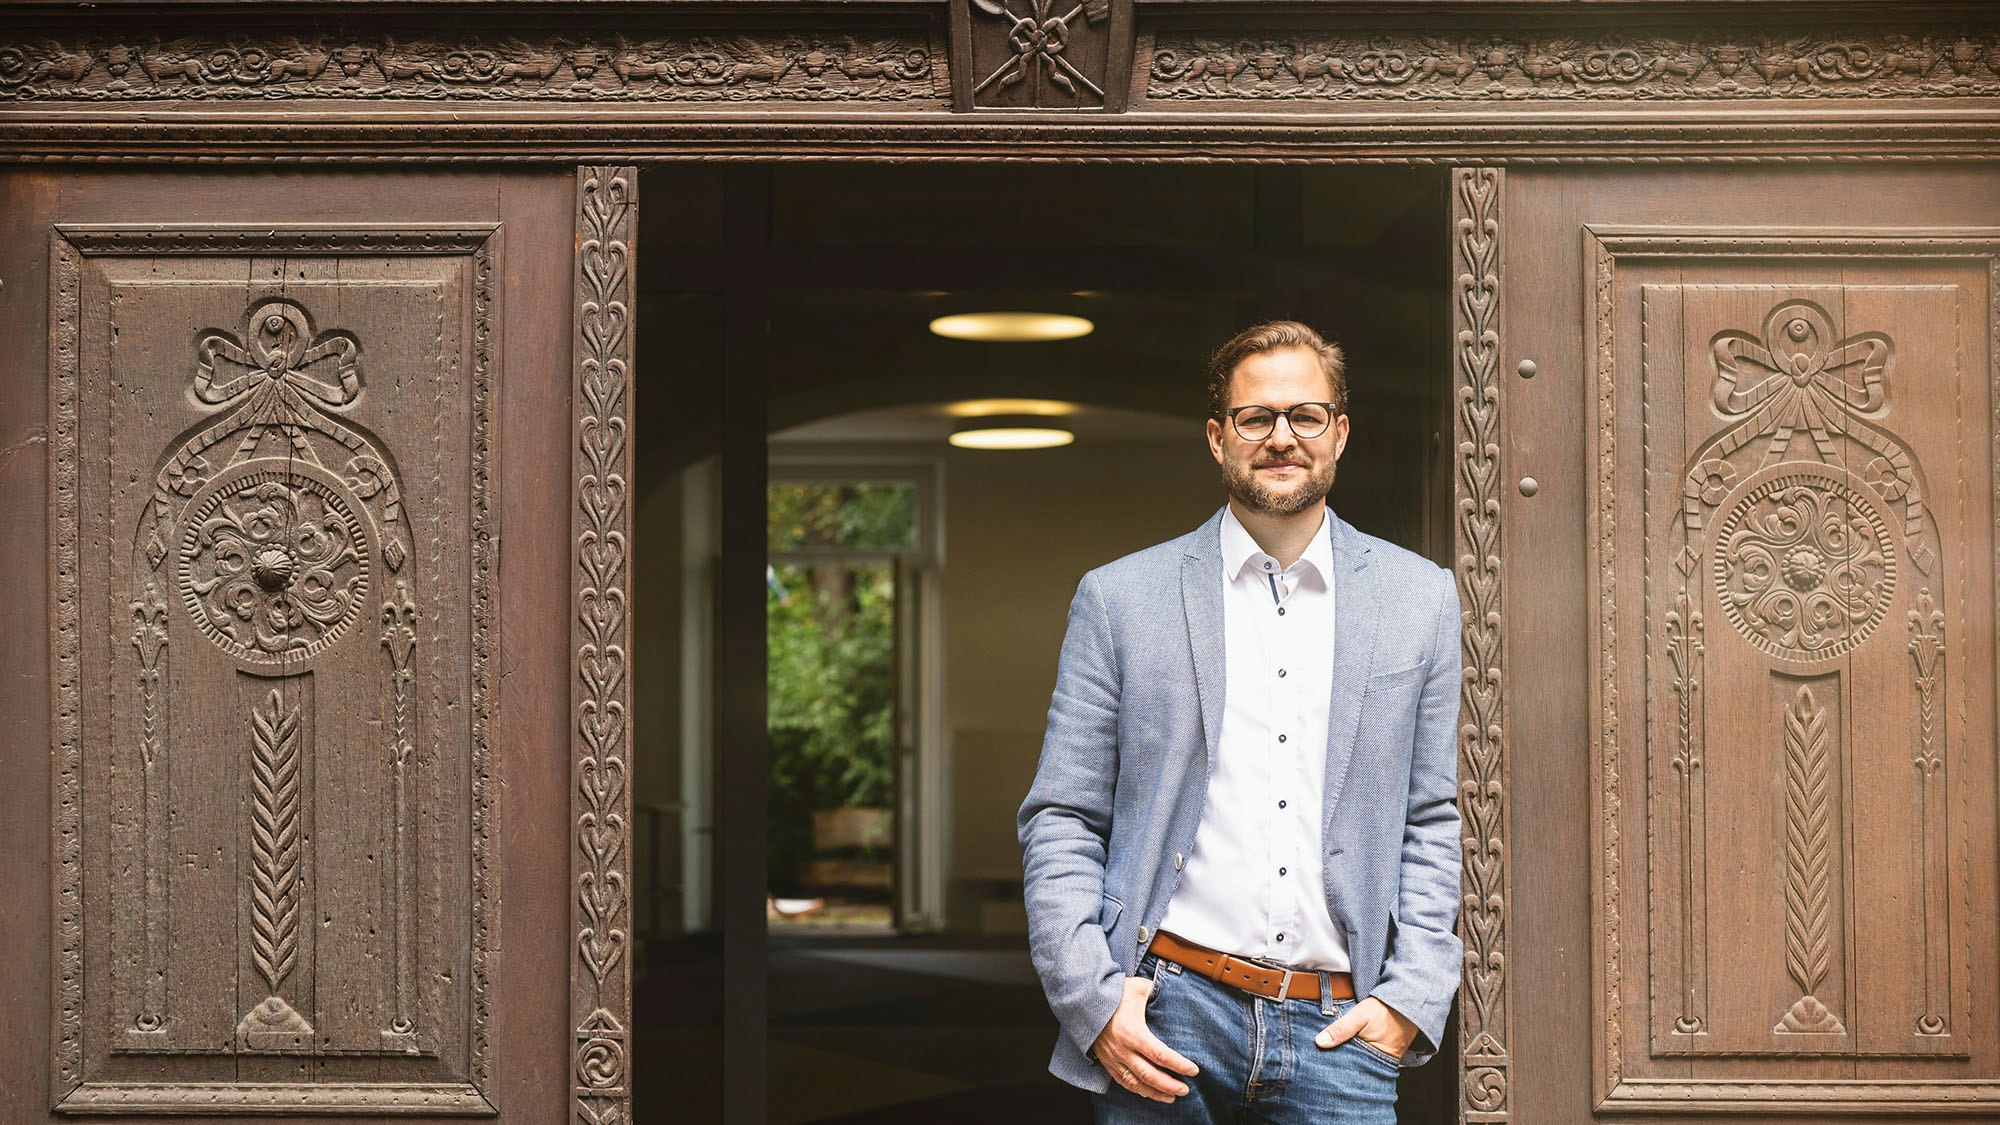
x: 1021, y: 530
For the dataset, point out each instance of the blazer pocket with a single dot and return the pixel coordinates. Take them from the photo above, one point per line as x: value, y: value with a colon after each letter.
x: 1108, y: 912
x: 1390, y: 681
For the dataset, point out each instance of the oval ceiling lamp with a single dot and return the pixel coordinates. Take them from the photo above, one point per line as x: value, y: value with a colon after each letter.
x: 1040, y: 407
x: 1012, y: 327
x: 1009, y: 431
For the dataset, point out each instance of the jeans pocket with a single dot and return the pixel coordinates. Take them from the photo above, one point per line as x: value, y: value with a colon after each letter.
x: 1377, y: 1052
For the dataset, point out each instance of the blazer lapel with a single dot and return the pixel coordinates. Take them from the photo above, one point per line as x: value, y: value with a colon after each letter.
x: 1201, y: 602
x: 1357, y: 618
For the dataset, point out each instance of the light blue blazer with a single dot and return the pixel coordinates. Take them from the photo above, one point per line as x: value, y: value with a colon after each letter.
x: 1132, y: 735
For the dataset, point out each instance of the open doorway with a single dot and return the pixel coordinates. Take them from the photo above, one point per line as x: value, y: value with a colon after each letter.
x: 852, y: 700
x: 787, y: 364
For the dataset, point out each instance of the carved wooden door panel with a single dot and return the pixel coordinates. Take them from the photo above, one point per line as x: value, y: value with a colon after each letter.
x: 1751, y: 660
x: 285, y: 419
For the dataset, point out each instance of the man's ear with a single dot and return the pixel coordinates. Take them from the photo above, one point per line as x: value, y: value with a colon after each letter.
x: 1215, y: 440
x: 1339, y: 436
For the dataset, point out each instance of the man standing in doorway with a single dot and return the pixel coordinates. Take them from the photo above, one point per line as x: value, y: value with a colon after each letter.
x: 1241, y: 846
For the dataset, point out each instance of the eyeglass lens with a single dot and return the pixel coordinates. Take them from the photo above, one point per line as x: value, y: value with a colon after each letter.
x: 1308, y: 420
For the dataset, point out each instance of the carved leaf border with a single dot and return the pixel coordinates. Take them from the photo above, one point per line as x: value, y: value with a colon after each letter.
x: 69, y: 245
x: 1476, y: 326
x: 600, y: 796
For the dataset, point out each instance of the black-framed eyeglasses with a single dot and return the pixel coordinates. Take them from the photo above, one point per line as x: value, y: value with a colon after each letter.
x: 1307, y: 419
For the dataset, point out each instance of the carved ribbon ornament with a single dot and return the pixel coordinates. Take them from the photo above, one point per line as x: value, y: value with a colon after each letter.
x: 1039, y: 40
x: 279, y: 355
x: 1796, y: 378
x: 1801, y: 376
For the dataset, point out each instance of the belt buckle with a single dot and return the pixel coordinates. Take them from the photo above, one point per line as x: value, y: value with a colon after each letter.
x: 1285, y: 985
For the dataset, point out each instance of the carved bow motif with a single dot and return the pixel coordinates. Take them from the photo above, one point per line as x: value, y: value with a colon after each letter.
x: 1803, y: 377
x: 1797, y: 378
x: 281, y: 353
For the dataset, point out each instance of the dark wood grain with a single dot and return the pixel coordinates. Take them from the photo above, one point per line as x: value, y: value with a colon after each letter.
x: 1777, y: 849
x: 280, y: 807
x: 607, y: 199
x: 1215, y: 80
x: 1579, y: 751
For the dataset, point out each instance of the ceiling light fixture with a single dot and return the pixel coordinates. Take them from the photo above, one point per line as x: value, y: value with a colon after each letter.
x: 1012, y: 327
x: 1009, y: 431
x: 980, y: 407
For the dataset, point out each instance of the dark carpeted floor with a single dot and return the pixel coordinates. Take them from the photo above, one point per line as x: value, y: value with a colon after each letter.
x: 862, y: 1030
x: 884, y: 1031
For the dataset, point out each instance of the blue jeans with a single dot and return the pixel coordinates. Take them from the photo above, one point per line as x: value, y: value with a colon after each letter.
x: 1257, y: 1057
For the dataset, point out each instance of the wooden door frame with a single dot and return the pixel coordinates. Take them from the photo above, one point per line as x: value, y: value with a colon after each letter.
x: 605, y: 86
x: 600, y: 978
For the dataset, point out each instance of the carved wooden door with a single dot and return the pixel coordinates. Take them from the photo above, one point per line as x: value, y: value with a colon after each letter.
x: 1749, y: 496
x: 288, y: 815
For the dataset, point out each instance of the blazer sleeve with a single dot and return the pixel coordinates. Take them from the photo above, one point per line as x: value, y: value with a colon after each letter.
x: 1421, y: 972
x: 1065, y: 827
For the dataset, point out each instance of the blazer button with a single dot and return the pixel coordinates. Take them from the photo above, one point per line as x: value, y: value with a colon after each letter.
x: 1142, y: 935
x: 1178, y: 858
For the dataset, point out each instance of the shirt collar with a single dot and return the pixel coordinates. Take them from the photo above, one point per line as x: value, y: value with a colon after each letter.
x: 1239, y: 550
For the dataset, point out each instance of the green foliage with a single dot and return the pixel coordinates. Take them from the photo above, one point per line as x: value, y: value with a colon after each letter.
x: 832, y: 662
x: 861, y: 516
x: 831, y: 704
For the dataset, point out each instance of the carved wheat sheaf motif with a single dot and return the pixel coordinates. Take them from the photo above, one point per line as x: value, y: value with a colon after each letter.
x: 275, y: 869
x: 1808, y: 862
x: 298, y: 811
x: 1804, y: 555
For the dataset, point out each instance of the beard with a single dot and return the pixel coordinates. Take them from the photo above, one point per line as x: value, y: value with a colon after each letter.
x: 1241, y: 481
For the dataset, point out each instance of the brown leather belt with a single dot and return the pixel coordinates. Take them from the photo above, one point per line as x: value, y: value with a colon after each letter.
x: 1250, y: 976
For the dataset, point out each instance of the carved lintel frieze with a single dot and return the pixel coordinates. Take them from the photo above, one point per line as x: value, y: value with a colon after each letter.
x: 1572, y: 63
x: 811, y: 65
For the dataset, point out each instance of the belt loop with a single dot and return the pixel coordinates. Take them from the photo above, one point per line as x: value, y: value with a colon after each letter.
x: 1325, y: 993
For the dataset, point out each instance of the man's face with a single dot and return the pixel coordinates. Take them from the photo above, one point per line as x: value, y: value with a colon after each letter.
x: 1283, y: 474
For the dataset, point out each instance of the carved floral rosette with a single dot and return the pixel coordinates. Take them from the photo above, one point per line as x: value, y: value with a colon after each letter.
x: 1804, y: 563
x: 1804, y: 549
x: 280, y: 511
x: 1806, y: 517
x: 274, y: 561
x: 272, y: 528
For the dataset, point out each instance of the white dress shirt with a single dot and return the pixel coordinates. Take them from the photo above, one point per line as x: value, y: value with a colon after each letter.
x: 1253, y: 886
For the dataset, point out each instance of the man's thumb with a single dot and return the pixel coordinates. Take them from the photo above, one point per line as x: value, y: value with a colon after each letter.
x: 1339, y: 1032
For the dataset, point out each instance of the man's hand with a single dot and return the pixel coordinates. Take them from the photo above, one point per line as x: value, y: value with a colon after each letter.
x: 1380, y: 1026
x: 1133, y: 1056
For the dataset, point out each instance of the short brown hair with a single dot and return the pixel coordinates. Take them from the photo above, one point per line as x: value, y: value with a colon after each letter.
x: 1275, y: 336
